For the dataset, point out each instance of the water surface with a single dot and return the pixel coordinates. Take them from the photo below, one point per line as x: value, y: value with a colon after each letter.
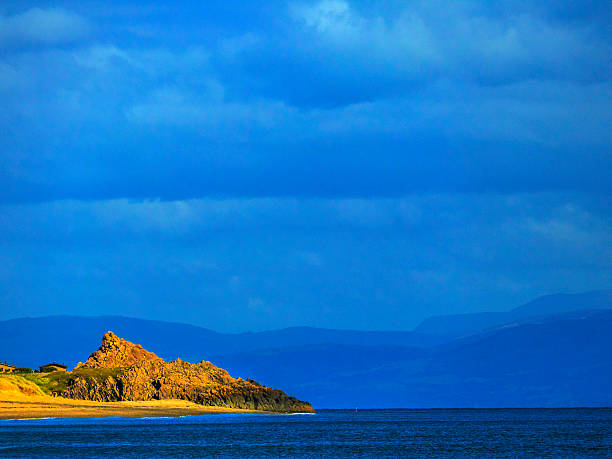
x: 366, y: 433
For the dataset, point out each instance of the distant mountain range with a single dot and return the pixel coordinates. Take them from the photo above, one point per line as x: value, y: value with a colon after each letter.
x: 560, y: 361
x: 554, y: 351
x: 32, y: 341
x: 455, y: 325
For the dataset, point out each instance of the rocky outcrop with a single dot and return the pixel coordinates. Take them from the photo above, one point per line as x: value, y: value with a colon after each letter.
x: 120, y: 370
x: 116, y: 352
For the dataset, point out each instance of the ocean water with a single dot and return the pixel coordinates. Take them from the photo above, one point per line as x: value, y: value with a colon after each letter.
x: 329, y: 433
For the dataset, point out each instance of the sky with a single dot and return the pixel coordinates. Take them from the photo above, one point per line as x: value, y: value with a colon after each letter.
x: 342, y: 164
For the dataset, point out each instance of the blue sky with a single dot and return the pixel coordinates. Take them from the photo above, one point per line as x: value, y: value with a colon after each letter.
x: 337, y: 163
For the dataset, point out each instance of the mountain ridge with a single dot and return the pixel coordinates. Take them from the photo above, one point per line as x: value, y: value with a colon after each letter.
x: 456, y: 325
x: 24, y: 340
x: 565, y: 360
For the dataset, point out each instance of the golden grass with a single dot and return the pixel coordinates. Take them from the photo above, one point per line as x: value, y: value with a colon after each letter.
x: 15, y: 385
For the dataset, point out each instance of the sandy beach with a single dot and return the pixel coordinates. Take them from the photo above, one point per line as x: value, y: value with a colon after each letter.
x: 52, y: 407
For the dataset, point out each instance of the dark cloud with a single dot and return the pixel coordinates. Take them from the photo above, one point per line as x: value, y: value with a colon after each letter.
x: 336, y: 52
x: 302, y: 162
x: 328, y: 98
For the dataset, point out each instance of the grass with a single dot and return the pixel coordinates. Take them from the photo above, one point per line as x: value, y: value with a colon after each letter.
x: 57, y: 381
x: 18, y: 384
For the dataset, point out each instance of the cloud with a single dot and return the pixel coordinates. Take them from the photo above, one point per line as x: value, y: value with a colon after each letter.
x: 556, y: 218
x: 339, y: 52
x: 406, y: 38
x: 330, y: 99
x: 325, y: 162
x: 36, y: 26
x: 364, y: 263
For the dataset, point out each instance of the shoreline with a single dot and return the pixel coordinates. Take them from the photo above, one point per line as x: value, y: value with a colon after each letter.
x: 41, y: 407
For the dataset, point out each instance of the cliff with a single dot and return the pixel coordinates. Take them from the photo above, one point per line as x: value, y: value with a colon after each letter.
x: 120, y: 370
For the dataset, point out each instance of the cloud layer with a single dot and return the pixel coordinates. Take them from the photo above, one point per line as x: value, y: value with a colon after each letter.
x: 265, y: 263
x: 293, y: 162
x: 333, y: 98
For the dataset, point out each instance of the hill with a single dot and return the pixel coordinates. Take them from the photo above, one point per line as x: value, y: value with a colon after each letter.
x: 455, y: 325
x: 122, y: 371
x: 564, y: 360
x: 30, y: 342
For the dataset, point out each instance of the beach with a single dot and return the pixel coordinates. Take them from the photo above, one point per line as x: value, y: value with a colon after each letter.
x: 57, y: 407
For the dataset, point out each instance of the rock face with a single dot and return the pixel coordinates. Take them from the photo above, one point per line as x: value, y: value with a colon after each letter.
x: 116, y: 352
x: 120, y: 370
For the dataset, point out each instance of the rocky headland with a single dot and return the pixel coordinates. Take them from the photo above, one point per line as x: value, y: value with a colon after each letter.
x: 123, y: 371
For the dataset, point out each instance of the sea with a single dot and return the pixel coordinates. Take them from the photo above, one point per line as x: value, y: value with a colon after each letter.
x: 578, y: 432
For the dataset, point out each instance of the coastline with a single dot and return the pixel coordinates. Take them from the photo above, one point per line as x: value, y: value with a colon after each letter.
x: 40, y: 407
